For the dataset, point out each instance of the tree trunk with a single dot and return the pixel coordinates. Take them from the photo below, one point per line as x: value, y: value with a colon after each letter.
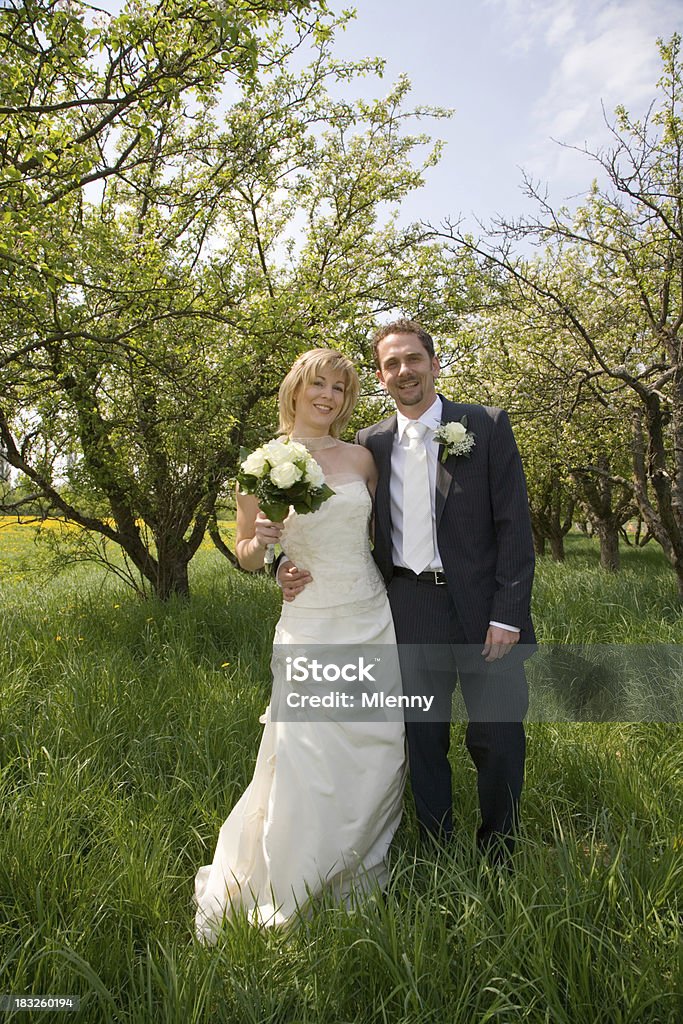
x: 171, y: 577
x: 539, y: 540
x: 609, y: 546
x: 557, y: 547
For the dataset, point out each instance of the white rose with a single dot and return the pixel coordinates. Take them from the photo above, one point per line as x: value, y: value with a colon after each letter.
x: 455, y: 432
x: 297, y: 451
x: 314, y: 474
x: 277, y: 452
x: 285, y: 474
x: 255, y: 463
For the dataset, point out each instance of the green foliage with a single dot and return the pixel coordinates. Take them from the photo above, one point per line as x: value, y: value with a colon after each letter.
x: 183, y: 213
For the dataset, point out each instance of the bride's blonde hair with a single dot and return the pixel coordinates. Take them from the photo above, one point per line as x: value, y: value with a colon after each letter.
x: 304, y: 371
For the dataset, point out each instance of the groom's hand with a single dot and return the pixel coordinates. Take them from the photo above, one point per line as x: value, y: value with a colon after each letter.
x: 291, y: 579
x: 498, y: 643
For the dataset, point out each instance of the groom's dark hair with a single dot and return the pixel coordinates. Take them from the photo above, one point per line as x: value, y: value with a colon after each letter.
x: 402, y: 326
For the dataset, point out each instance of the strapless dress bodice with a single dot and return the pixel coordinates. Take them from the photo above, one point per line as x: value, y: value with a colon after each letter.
x: 334, y: 545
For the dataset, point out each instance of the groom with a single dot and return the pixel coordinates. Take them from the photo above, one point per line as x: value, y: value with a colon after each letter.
x: 458, y: 559
x: 453, y: 542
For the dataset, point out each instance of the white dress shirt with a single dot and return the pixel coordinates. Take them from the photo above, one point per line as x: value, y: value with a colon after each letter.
x: 431, y: 419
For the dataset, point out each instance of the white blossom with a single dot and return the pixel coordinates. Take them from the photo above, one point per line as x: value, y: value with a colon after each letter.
x: 314, y: 474
x: 255, y: 463
x: 285, y: 474
x: 453, y: 432
x: 277, y: 452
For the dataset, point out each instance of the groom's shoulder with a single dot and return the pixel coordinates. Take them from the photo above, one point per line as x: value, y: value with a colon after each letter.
x: 367, y: 433
x: 473, y: 410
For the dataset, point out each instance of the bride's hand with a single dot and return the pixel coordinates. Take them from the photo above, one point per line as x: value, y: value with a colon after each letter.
x: 265, y: 531
x: 292, y: 580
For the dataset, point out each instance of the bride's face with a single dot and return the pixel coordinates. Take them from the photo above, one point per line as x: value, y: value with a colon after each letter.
x: 319, y: 403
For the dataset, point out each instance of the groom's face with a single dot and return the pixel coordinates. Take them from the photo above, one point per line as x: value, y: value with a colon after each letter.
x: 407, y: 372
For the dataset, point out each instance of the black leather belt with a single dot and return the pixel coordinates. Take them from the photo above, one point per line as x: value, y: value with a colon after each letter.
x: 434, y: 576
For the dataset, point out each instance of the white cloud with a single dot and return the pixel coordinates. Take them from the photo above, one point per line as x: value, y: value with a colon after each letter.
x: 528, y: 21
x: 595, y: 55
x: 612, y: 60
x: 561, y: 25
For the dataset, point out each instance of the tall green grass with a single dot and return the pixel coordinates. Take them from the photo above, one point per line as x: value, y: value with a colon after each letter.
x: 127, y: 731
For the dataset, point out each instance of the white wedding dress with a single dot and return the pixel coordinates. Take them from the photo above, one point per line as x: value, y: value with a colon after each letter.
x: 325, y: 798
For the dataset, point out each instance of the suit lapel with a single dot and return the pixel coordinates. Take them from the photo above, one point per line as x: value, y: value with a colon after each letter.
x: 450, y: 411
x: 383, y: 442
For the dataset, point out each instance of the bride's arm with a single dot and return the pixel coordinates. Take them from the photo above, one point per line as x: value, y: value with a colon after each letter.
x: 372, y: 487
x: 368, y: 468
x: 254, y: 533
x: 365, y: 465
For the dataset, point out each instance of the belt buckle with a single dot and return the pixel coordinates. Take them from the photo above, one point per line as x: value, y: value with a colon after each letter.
x: 438, y: 582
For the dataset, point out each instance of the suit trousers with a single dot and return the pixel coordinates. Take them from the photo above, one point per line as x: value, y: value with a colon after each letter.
x: 434, y: 656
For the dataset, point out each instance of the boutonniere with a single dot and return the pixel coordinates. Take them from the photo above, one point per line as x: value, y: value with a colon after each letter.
x: 455, y: 438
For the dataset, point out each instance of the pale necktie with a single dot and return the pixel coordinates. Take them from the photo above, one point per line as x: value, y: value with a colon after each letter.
x: 418, y: 543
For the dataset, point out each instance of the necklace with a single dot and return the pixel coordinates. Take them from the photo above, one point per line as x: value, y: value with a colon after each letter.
x: 316, y: 444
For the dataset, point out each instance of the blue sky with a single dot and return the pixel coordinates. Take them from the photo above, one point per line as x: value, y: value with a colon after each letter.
x: 518, y: 73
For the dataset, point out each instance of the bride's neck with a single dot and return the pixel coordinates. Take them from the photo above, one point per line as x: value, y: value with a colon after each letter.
x: 314, y: 442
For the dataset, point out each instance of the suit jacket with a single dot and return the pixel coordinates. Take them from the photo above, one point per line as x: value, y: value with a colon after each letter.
x: 482, y: 520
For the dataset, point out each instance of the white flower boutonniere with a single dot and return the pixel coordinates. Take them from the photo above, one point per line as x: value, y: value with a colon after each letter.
x: 455, y: 438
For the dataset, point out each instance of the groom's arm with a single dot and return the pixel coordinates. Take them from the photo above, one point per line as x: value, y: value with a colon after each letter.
x: 514, y: 540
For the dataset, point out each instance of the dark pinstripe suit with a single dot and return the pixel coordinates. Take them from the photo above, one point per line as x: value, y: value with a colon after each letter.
x: 486, y: 548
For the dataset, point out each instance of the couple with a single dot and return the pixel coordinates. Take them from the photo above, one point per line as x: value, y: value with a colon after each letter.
x: 452, y: 543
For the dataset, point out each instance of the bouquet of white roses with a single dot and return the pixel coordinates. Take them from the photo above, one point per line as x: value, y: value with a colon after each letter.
x: 283, y: 473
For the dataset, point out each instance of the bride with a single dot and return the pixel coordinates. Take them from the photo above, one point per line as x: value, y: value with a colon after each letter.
x: 325, y: 798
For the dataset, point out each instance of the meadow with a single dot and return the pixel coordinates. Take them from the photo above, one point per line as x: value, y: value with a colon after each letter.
x: 129, y: 728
